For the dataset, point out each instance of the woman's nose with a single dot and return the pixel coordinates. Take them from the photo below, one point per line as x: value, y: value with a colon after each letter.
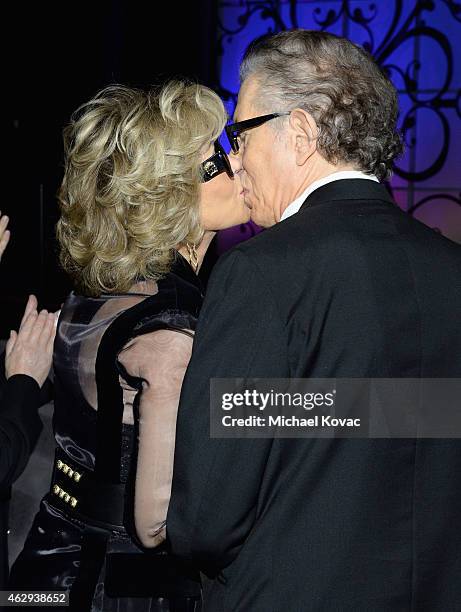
x: 235, y: 162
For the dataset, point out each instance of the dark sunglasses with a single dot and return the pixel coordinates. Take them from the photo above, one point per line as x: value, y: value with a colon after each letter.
x: 217, y: 163
x: 234, y: 130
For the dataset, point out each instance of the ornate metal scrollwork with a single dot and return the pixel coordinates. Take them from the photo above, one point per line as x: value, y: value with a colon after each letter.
x: 414, y: 28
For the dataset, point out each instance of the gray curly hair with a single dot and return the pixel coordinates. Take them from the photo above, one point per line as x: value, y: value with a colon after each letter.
x: 352, y: 101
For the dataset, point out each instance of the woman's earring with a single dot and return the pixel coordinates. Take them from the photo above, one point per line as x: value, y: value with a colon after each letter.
x: 193, y: 257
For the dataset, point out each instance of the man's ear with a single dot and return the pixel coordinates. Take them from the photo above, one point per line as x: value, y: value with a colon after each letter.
x: 304, y: 133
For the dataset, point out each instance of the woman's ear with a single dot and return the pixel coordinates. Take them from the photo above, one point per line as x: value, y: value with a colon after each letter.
x: 304, y: 132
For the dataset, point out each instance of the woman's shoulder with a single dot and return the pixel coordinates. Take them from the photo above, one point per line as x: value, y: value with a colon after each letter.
x: 174, y: 306
x: 173, y: 300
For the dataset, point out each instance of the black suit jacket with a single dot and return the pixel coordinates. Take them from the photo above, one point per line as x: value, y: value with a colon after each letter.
x: 350, y: 286
x: 20, y: 426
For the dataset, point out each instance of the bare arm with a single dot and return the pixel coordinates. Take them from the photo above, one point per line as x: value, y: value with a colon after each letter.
x: 160, y: 358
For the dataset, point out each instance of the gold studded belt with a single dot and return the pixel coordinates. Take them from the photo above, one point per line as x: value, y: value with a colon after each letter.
x: 76, y: 491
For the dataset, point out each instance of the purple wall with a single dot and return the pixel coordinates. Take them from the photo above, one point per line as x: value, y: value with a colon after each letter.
x: 419, y: 44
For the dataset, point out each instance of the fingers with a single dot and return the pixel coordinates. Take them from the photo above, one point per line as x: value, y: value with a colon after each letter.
x: 44, y: 329
x: 31, y: 306
x: 34, y: 324
x: 4, y: 234
x: 27, y: 326
x: 48, y: 332
x: 11, y: 342
x: 3, y: 222
x: 30, y: 350
x: 38, y: 330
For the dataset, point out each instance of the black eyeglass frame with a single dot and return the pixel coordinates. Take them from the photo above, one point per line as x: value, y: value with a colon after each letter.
x: 233, y: 130
x: 216, y: 164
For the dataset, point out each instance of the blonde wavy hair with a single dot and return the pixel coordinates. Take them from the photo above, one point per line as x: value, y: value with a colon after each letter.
x: 130, y: 193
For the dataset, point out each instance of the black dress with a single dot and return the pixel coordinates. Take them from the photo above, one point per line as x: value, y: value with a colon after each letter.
x: 78, y: 541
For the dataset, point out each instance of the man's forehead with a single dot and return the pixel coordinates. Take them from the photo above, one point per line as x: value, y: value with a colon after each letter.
x: 245, y: 104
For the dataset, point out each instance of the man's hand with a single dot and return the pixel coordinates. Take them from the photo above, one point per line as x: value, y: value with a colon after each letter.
x: 4, y: 233
x: 30, y: 350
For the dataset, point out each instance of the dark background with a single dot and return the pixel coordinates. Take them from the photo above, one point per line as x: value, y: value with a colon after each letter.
x: 57, y: 57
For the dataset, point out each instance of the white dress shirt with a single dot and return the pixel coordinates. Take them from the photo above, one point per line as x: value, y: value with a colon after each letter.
x: 293, y: 208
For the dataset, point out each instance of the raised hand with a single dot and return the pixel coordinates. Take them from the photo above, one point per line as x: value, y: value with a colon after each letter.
x: 30, y: 350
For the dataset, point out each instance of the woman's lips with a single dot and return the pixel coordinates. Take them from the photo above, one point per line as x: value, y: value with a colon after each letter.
x: 245, y: 194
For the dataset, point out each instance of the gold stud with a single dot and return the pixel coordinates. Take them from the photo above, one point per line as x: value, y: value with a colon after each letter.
x: 59, y: 464
x: 62, y: 493
x: 77, y: 476
x: 65, y: 468
x: 56, y: 489
x: 73, y: 502
x: 70, y: 473
x: 66, y: 497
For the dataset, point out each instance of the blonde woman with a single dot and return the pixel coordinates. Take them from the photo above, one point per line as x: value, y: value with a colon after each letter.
x: 146, y: 185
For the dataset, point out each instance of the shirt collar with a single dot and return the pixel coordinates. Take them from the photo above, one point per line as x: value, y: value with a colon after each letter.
x: 294, y: 207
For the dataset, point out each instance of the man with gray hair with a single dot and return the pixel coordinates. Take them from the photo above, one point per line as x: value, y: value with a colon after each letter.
x: 342, y: 284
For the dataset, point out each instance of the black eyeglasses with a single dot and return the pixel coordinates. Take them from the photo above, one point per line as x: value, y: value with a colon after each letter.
x: 217, y: 163
x: 234, y: 130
